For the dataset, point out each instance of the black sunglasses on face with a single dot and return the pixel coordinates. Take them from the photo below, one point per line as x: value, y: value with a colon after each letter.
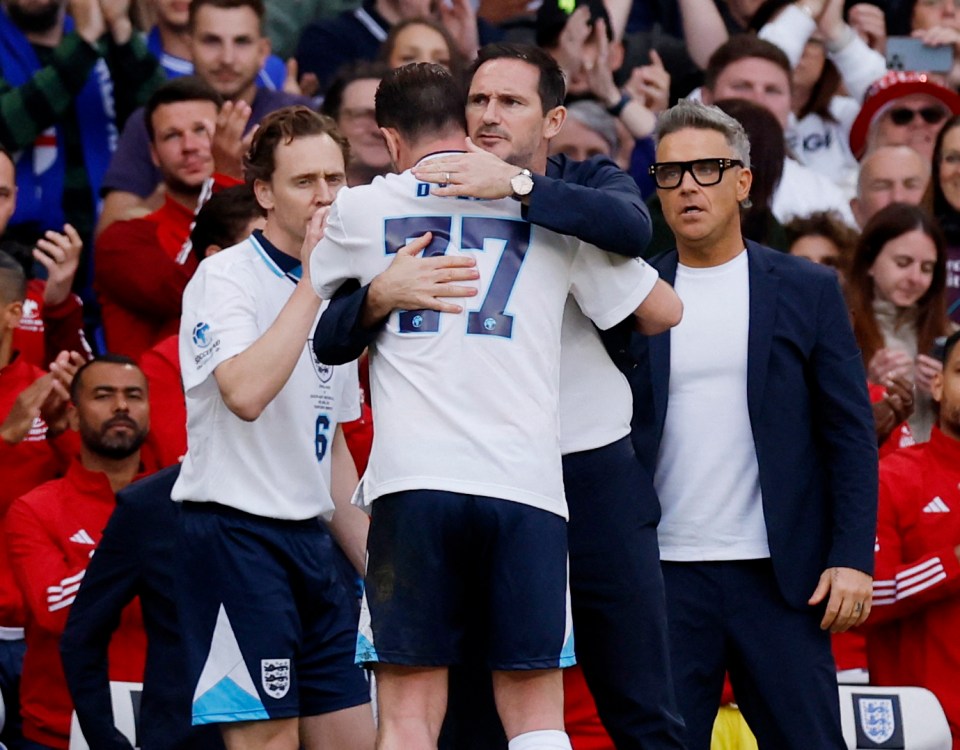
x: 904, y: 115
x: 705, y: 172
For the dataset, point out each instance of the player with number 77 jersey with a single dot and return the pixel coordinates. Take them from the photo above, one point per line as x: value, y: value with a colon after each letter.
x: 467, y: 529
x: 468, y: 403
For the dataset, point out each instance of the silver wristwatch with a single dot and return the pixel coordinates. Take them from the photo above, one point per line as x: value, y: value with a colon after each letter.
x: 521, y: 183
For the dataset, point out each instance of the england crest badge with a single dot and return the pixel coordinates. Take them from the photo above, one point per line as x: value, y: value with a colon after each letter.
x: 275, y: 677
x: 324, y: 372
x: 879, y: 724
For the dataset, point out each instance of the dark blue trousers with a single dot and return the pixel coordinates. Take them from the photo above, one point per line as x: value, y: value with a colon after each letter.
x: 619, y: 614
x: 730, y: 616
x: 616, y: 587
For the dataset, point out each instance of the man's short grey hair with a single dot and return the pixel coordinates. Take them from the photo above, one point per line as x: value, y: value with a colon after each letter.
x: 693, y: 114
x: 592, y: 115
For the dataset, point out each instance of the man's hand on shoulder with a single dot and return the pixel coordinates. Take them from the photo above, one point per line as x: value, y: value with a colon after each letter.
x: 476, y: 174
x: 414, y: 283
x: 850, y: 597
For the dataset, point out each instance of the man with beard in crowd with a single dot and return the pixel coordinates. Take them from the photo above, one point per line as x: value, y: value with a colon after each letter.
x: 53, y: 531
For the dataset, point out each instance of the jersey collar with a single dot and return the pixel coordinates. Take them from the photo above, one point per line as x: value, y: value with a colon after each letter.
x: 277, y: 260
x: 437, y: 154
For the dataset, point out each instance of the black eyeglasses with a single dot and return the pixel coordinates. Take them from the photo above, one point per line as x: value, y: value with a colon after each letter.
x: 706, y: 172
x: 905, y: 115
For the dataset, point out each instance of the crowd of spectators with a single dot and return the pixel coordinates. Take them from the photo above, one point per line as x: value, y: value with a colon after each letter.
x: 123, y: 130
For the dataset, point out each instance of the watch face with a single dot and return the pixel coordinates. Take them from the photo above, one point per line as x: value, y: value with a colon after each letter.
x: 522, y: 183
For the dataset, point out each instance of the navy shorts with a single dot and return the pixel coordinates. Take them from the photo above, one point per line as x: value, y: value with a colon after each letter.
x: 269, y: 621
x: 441, y: 563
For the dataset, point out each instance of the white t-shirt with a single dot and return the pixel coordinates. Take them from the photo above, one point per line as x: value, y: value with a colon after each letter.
x: 469, y: 403
x: 596, y: 404
x: 824, y: 145
x: 802, y: 191
x: 819, y: 143
x: 707, y: 475
x: 277, y: 466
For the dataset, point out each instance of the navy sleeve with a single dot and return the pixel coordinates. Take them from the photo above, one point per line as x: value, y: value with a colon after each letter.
x: 338, y: 337
x: 109, y: 584
x: 845, y: 424
x: 594, y: 201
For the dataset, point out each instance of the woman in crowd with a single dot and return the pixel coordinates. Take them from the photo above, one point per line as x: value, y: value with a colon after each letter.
x: 945, y: 203
x: 896, y: 295
x: 824, y: 238
x: 421, y: 40
x: 825, y: 52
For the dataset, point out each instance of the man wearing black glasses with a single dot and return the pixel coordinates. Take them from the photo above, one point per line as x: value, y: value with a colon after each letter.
x: 756, y: 410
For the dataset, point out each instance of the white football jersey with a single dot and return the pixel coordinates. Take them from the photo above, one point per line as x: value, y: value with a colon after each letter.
x: 596, y: 403
x: 277, y: 466
x: 469, y: 403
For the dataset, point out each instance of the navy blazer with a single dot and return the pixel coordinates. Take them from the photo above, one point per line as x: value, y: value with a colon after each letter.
x: 809, y: 412
x: 136, y: 557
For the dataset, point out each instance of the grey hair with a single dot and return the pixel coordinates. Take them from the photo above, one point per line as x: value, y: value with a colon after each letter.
x: 594, y: 116
x: 693, y: 114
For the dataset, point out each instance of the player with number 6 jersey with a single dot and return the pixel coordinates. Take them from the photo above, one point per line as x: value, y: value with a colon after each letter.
x: 235, y: 296
x: 268, y: 617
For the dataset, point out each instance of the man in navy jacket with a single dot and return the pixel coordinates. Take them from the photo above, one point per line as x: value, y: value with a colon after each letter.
x: 756, y: 412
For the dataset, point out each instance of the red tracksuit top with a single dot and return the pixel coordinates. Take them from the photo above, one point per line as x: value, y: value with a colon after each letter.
x: 52, y: 533
x: 45, y: 331
x: 138, y: 280
x: 24, y: 466
x: 914, y: 628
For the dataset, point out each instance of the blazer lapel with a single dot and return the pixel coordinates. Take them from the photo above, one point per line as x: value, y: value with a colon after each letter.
x: 660, y: 350
x: 763, y: 306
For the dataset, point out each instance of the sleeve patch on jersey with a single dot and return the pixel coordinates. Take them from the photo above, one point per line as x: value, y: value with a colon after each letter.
x: 204, y: 343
